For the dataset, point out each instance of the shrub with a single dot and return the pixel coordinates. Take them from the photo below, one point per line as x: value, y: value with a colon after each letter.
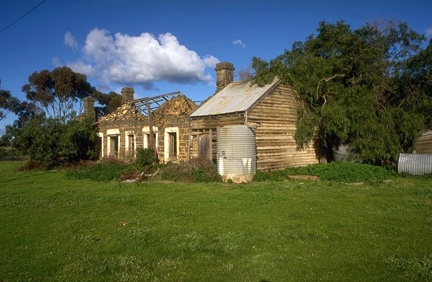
x: 195, y: 170
x: 9, y: 153
x: 52, y: 141
x: 277, y: 175
x: 347, y: 172
x: 145, y: 157
x: 103, y: 171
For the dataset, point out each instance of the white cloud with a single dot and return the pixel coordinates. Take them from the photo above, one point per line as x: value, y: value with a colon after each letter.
x: 429, y: 31
x: 142, y: 59
x: 56, y: 62
x: 69, y: 40
x: 239, y: 42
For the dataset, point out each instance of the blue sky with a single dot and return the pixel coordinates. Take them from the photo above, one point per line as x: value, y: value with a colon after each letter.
x: 164, y: 46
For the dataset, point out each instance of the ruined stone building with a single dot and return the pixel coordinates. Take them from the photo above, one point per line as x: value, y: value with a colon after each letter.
x: 128, y: 128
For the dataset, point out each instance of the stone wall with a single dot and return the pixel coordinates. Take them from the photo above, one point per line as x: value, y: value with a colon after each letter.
x: 171, y: 120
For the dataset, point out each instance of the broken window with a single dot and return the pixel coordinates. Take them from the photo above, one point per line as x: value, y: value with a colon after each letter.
x: 131, y: 145
x: 113, y: 145
x: 150, y: 140
x: 171, y: 143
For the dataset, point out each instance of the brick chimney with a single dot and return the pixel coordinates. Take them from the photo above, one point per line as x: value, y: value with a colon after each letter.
x: 224, y: 75
x: 89, y: 109
x: 127, y: 94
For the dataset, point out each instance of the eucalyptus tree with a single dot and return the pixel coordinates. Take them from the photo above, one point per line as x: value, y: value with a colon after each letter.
x: 8, y: 103
x: 58, y: 92
x: 351, y: 87
x: 107, y: 103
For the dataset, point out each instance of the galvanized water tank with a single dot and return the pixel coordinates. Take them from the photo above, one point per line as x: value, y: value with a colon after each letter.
x: 415, y: 164
x: 236, y: 150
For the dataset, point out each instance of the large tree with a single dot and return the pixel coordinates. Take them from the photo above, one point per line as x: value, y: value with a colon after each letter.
x: 350, y: 82
x: 8, y: 103
x: 107, y: 102
x: 58, y: 92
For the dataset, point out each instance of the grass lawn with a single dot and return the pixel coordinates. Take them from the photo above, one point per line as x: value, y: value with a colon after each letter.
x: 55, y: 229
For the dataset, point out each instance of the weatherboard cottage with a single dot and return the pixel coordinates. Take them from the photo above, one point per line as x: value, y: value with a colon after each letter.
x: 244, y: 127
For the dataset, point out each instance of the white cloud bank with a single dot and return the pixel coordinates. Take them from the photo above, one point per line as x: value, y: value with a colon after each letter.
x: 142, y: 59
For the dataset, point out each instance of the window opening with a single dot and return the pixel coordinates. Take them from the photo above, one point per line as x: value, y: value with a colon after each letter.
x: 131, y: 143
x: 172, y: 144
x: 114, y: 144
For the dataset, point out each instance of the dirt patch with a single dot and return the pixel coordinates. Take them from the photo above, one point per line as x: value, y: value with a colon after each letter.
x: 303, y: 177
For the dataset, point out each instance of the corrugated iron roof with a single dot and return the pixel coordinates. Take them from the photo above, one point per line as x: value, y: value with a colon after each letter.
x: 235, y: 97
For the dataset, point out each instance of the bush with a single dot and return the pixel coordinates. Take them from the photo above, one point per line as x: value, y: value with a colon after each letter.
x: 195, y: 170
x: 9, y: 153
x: 103, y: 171
x: 145, y: 157
x: 53, y: 142
x: 346, y: 172
x: 277, y: 175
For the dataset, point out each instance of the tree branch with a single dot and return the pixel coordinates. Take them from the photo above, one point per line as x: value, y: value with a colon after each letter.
x: 326, y: 80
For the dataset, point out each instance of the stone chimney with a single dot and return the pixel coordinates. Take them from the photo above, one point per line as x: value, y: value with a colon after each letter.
x: 127, y: 94
x: 89, y: 109
x: 224, y: 75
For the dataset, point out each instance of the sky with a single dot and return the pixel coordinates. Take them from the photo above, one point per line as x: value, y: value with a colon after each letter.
x: 163, y: 46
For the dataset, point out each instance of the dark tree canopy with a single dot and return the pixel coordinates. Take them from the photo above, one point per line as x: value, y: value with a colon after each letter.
x: 108, y: 102
x: 57, y: 92
x: 8, y: 103
x: 51, y: 141
x: 369, y: 88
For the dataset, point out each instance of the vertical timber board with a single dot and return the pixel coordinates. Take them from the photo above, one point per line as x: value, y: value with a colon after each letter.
x: 276, y: 117
x: 205, y: 146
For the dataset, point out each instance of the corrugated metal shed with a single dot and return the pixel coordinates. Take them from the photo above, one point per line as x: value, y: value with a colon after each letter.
x: 236, y: 97
x: 415, y: 164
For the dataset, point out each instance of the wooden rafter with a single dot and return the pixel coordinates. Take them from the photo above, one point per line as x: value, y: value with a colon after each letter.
x: 147, y: 106
x: 152, y: 103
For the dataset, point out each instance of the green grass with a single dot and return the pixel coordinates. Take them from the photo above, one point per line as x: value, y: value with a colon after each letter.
x: 58, y: 229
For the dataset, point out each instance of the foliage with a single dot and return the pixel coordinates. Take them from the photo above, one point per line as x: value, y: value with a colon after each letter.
x: 108, y: 102
x: 25, y: 112
x: 369, y: 87
x: 103, y: 171
x: 145, y: 157
x: 58, y: 229
x: 57, y: 91
x: 275, y: 175
x: 52, y: 141
x: 57, y: 94
x: 8, y: 103
x: 346, y: 172
x: 9, y: 153
x: 195, y: 170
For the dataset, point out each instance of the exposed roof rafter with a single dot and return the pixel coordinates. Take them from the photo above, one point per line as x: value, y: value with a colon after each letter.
x: 153, y: 103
